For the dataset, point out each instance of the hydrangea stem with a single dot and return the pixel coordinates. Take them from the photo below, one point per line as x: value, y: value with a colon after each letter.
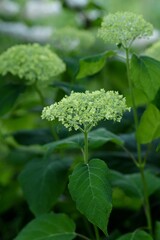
x: 85, y: 146
x: 133, y: 104
x: 85, y: 153
x: 96, y: 232
x: 41, y: 97
x: 140, y: 163
x: 82, y: 236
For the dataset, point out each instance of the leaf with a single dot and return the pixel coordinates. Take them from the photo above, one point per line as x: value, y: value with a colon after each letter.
x: 67, y: 87
x: 158, y: 148
x: 33, y: 137
x: 157, y: 231
x: 122, y: 201
x: 91, y: 190
x: 136, y: 235
x: 96, y: 139
x: 42, y: 182
x: 125, y: 183
x: 131, y: 184
x: 9, y: 94
x: 146, y: 75
x: 100, y: 136
x: 72, y: 64
x: 139, y: 96
x: 49, y: 227
x: 156, y: 100
x: 149, y: 127
x: 93, y: 64
x: 9, y: 197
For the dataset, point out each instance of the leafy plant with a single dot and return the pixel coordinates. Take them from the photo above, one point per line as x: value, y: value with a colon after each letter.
x: 89, y: 185
x: 122, y: 29
x: 102, y: 182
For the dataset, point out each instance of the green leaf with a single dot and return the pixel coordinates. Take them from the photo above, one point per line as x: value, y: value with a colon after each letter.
x: 93, y: 64
x: 157, y: 231
x: 67, y: 87
x: 126, y: 183
x: 136, y: 235
x: 49, y: 227
x: 32, y: 137
x: 90, y: 189
x: 122, y: 201
x: 131, y: 184
x: 149, y: 127
x: 96, y: 139
x: 42, y: 182
x: 158, y: 148
x: 100, y: 136
x: 9, y: 197
x: 139, y: 96
x: 9, y: 94
x: 146, y: 75
x: 156, y: 100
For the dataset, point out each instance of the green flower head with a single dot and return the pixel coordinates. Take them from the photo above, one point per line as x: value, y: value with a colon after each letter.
x: 84, y: 110
x: 123, y: 28
x: 31, y: 62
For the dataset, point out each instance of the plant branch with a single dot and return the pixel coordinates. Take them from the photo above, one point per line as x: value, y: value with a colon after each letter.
x: 85, y: 147
x: 146, y: 201
x: 96, y: 232
x: 41, y: 97
x: 130, y: 155
x: 140, y: 163
x: 133, y: 105
x: 82, y: 236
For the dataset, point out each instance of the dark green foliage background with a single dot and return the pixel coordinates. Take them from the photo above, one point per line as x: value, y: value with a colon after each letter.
x: 34, y: 166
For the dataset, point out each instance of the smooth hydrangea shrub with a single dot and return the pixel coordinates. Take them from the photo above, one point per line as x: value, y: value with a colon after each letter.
x: 122, y: 28
x: 82, y: 111
x: 31, y: 62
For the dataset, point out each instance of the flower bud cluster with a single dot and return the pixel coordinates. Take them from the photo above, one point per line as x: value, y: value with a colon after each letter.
x: 31, y: 62
x: 84, y: 110
x: 122, y: 28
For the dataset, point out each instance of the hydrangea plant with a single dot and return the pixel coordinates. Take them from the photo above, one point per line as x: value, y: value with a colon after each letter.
x: 122, y: 28
x: 88, y: 184
x: 31, y: 62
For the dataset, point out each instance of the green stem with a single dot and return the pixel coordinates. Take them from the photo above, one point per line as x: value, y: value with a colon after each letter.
x: 41, y: 97
x: 130, y: 155
x: 85, y: 153
x: 82, y: 236
x: 85, y: 146
x: 96, y: 232
x: 133, y: 104
x: 146, y: 201
x: 88, y: 228
x: 140, y: 163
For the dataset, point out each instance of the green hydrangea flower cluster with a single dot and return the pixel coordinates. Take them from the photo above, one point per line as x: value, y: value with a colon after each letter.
x: 72, y: 40
x: 154, y: 51
x: 84, y: 110
x: 122, y: 28
x: 31, y: 62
